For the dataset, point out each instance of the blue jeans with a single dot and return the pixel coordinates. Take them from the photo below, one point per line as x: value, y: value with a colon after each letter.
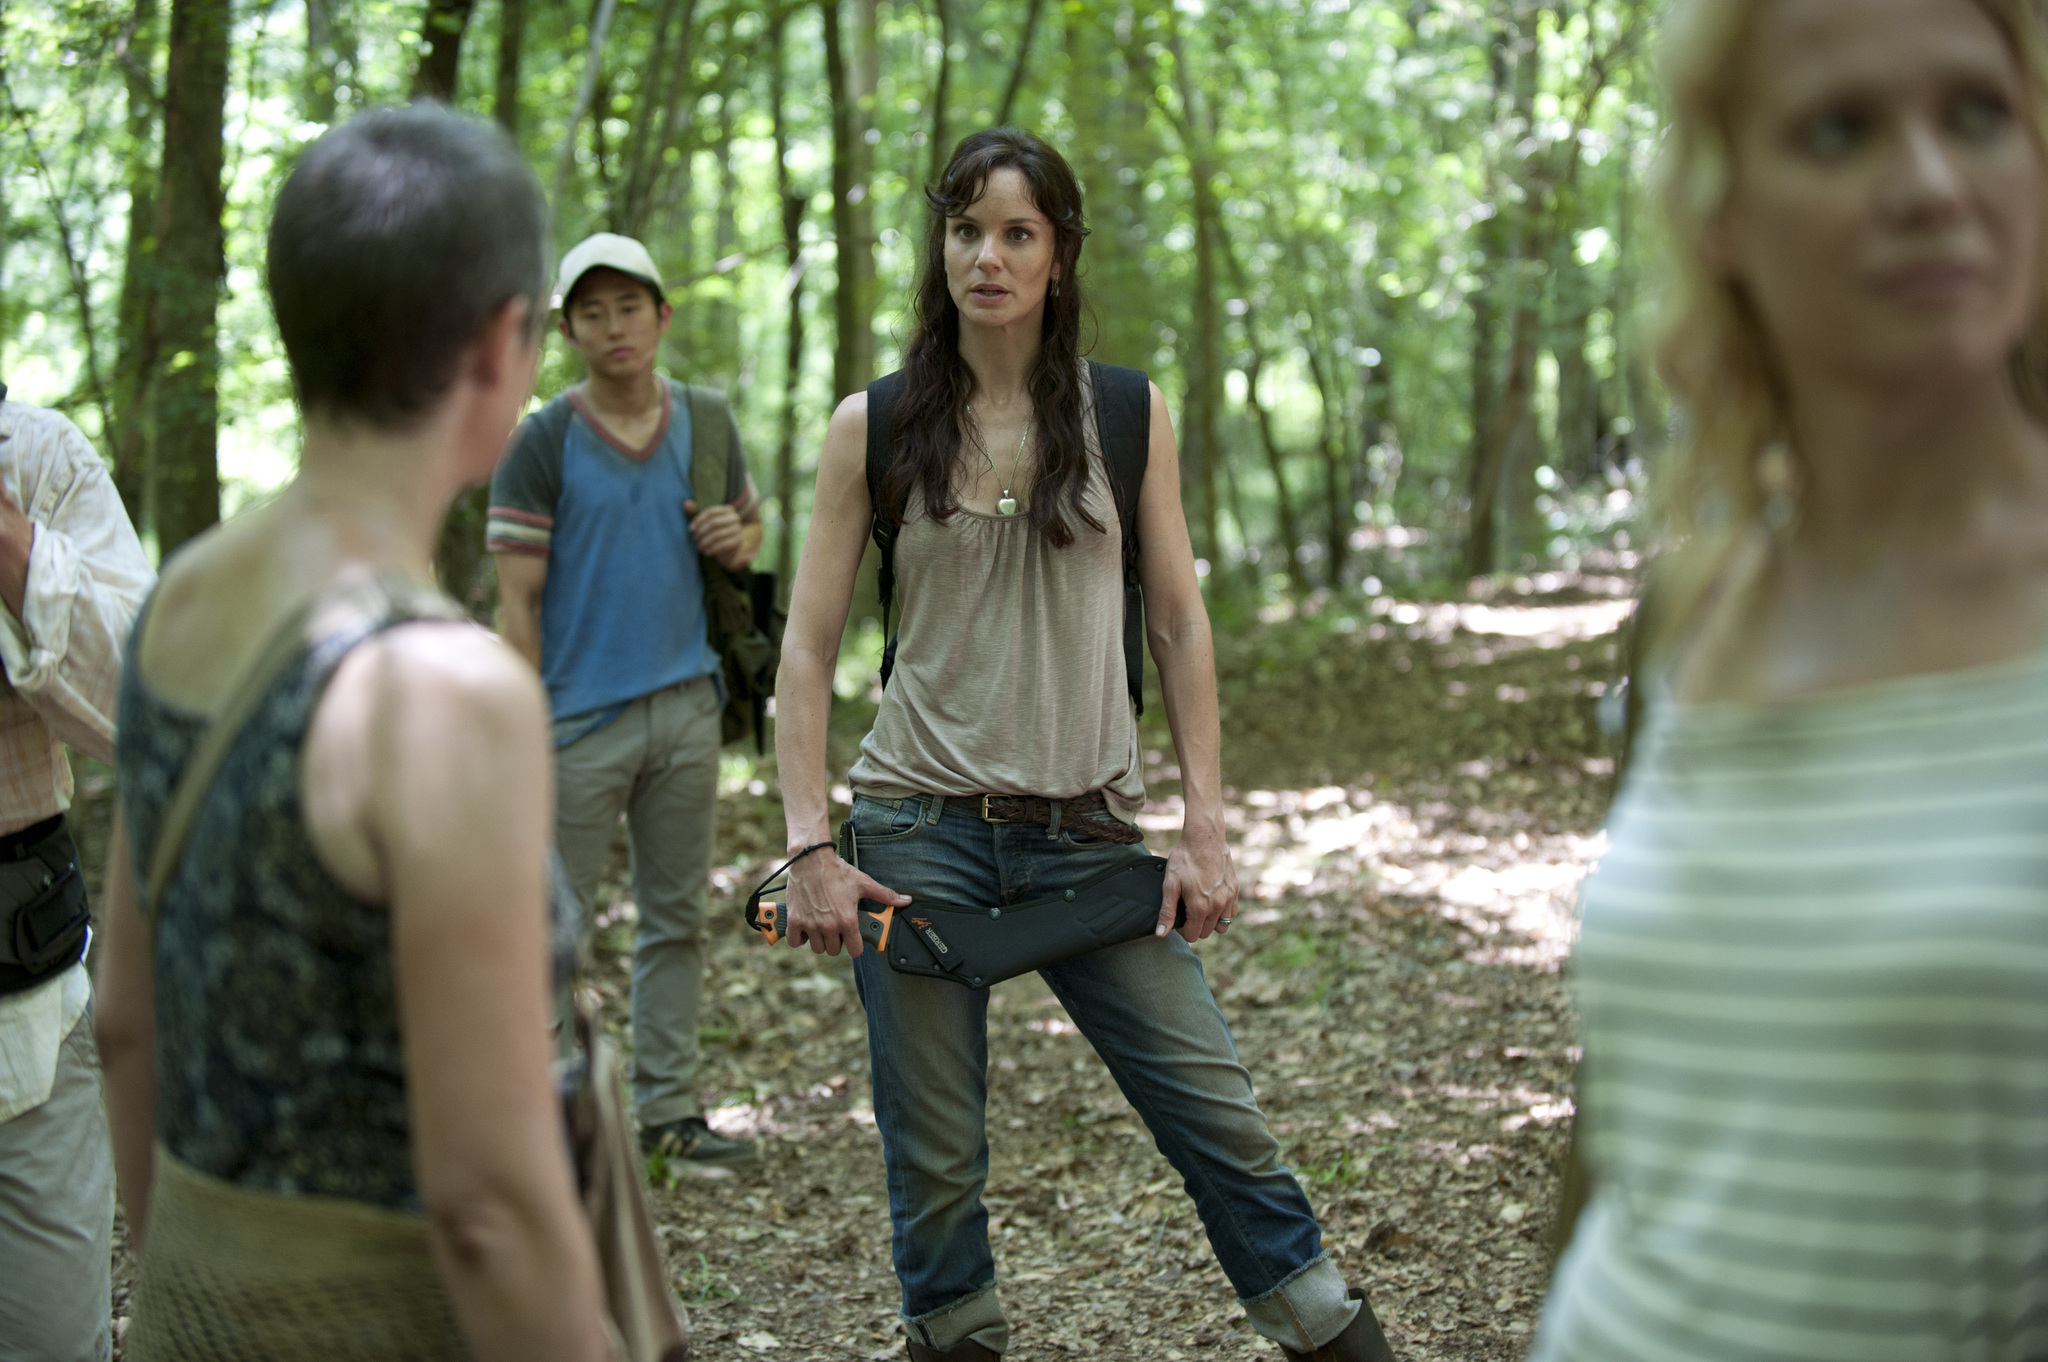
x: 1146, y: 1009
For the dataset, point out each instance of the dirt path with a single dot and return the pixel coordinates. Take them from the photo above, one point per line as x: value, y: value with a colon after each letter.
x: 1417, y: 792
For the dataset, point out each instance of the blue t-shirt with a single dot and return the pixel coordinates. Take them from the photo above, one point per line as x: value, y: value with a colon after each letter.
x: 622, y: 612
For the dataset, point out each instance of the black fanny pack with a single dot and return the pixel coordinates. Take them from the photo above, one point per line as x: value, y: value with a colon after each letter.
x: 977, y: 947
x: 44, y: 918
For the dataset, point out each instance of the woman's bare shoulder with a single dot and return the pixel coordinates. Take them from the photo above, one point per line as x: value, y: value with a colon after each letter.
x: 844, y: 457
x: 850, y: 419
x: 448, y: 665
x: 217, y: 599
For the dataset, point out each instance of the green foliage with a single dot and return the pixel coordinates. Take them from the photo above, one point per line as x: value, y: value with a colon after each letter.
x: 1373, y: 173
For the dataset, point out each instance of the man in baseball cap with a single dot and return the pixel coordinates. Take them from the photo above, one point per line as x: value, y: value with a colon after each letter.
x: 617, y: 503
x: 606, y: 251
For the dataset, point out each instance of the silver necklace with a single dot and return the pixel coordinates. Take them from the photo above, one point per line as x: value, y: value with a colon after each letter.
x: 1005, y: 504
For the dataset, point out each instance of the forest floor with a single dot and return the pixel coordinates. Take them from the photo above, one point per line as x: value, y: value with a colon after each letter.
x: 1416, y: 793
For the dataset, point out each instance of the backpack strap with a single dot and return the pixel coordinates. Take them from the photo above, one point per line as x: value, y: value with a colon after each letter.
x: 1123, y: 419
x: 883, y: 395
x: 710, y: 443
x: 552, y: 422
x: 286, y: 645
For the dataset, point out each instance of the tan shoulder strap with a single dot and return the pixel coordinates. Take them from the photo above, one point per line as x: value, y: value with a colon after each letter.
x: 710, y: 446
x: 287, y: 644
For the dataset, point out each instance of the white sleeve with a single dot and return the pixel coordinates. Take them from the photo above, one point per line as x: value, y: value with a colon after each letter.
x: 87, y: 576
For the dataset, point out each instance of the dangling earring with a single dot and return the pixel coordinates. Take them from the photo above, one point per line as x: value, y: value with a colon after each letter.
x: 1778, y: 477
x: 1055, y: 287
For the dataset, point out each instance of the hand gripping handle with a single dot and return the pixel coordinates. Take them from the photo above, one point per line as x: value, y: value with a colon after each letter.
x: 771, y: 920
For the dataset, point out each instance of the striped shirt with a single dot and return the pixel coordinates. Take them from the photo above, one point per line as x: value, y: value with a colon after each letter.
x: 1813, y: 980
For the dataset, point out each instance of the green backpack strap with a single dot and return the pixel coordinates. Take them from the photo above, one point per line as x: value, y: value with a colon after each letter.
x: 741, y: 616
x: 710, y: 444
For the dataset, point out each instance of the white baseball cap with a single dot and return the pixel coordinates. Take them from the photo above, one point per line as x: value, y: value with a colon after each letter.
x: 606, y: 250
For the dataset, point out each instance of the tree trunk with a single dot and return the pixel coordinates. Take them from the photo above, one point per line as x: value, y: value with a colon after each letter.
x: 511, y: 42
x: 1111, y: 109
x: 464, y: 568
x: 1233, y: 500
x: 1204, y: 362
x: 678, y: 130
x: 1535, y: 226
x: 852, y: 90
x: 586, y: 90
x: 725, y: 321
x: 440, y: 59
x: 1276, y: 463
x: 793, y: 353
x: 1632, y: 355
x: 1578, y: 389
x: 1500, y: 414
x: 601, y: 157
x: 1336, y: 496
x: 1377, y: 431
x: 1283, y: 500
x: 134, y: 356
x: 665, y: 79
x: 1505, y: 446
x: 940, y: 92
x: 191, y: 268
x: 1485, y: 394
x: 1022, y: 64
x: 330, y: 40
x: 75, y: 274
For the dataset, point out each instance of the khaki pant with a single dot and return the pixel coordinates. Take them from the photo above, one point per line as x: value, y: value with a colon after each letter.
x: 57, y: 1217
x: 657, y: 762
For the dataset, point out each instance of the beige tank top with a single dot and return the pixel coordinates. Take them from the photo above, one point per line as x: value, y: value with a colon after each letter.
x: 1009, y: 671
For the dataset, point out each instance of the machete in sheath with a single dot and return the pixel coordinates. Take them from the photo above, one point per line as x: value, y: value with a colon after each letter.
x: 977, y: 947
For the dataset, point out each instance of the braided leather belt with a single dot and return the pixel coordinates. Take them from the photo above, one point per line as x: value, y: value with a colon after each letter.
x: 1089, y: 813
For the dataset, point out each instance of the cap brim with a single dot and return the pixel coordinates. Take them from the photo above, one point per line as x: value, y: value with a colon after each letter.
x: 567, y: 285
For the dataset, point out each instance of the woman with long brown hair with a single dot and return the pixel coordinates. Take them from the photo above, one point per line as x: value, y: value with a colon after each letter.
x: 1813, y: 969
x: 1004, y: 763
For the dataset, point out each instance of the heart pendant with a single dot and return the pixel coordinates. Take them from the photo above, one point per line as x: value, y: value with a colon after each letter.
x: 1006, y: 506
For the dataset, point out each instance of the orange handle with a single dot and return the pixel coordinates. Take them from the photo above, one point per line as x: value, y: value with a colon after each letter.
x: 773, y: 924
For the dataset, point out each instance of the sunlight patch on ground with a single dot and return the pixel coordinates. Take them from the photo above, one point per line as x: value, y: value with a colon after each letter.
x: 1516, y: 892
x: 1547, y: 626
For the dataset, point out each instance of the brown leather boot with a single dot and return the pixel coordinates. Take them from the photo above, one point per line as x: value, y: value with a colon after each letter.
x: 966, y: 1350
x: 1361, y: 1340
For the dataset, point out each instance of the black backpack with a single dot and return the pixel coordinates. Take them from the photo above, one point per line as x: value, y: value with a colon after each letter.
x: 1123, y: 418
x: 741, y: 617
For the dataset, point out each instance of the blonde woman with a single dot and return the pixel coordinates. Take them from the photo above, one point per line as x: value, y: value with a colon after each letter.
x: 1814, y: 965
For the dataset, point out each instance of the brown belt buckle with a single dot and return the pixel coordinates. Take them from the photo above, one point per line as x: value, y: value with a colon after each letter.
x: 986, y: 816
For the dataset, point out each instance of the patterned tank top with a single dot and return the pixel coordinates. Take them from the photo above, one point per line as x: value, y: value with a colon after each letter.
x: 279, y: 1060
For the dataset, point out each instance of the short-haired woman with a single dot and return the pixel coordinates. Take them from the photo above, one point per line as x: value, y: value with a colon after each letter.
x: 1813, y: 970
x: 1010, y: 680
x: 327, y: 1052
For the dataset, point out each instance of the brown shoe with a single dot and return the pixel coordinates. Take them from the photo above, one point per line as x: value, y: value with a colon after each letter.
x: 966, y: 1350
x: 1361, y: 1340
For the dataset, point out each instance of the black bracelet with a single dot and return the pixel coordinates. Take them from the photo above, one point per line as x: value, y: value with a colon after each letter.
x: 754, y: 899
x: 815, y: 846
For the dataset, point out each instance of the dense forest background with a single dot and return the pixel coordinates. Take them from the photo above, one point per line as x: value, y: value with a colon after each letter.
x: 1386, y: 259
